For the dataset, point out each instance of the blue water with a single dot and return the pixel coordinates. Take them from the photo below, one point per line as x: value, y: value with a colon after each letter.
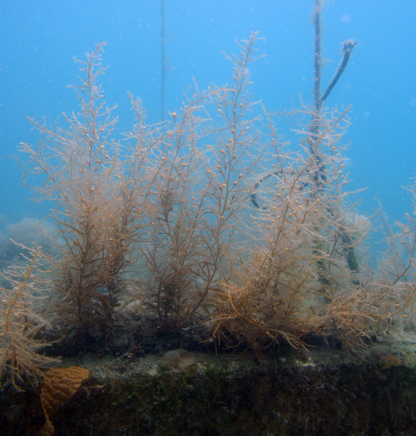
x: 38, y: 41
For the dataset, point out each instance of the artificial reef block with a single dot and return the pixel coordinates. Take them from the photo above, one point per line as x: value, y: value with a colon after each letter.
x: 328, y: 392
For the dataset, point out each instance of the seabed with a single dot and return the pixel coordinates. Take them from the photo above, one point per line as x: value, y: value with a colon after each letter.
x: 323, y: 391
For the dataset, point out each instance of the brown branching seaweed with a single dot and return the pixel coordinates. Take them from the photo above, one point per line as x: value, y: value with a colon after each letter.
x: 230, y: 232
x: 99, y: 206
x: 200, y: 190
x: 20, y: 325
x: 297, y: 278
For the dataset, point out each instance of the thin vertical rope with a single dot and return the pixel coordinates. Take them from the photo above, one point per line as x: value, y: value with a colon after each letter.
x: 163, y: 66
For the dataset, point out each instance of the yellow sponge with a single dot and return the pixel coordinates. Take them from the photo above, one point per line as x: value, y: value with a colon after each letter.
x: 59, y: 386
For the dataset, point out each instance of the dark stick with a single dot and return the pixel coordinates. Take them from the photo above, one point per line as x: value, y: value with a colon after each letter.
x: 347, y: 48
x: 320, y: 176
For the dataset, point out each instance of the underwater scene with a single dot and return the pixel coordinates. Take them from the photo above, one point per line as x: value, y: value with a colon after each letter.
x: 208, y: 217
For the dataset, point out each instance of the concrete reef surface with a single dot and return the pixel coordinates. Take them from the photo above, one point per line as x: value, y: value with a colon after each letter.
x: 322, y: 392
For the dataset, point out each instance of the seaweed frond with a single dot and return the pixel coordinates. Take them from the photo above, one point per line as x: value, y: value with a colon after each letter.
x: 20, y: 324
